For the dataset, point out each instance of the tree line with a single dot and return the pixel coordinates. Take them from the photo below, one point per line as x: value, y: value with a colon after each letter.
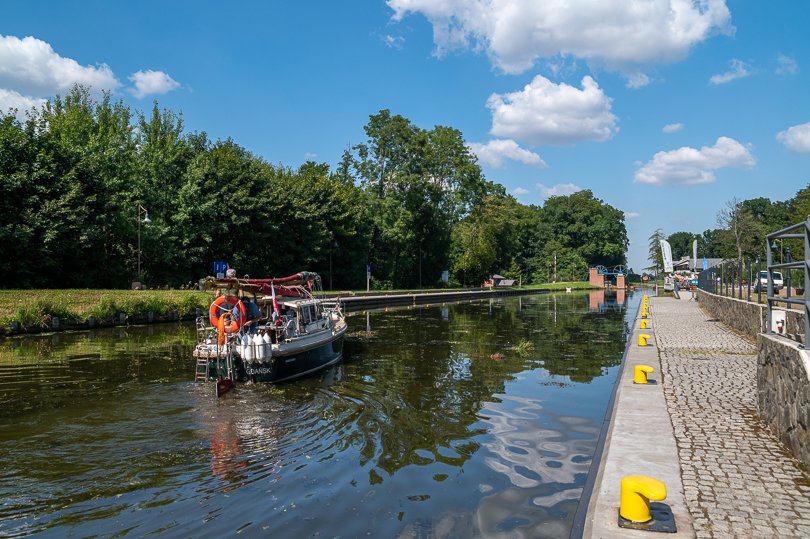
x: 409, y: 201
x: 742, y: 226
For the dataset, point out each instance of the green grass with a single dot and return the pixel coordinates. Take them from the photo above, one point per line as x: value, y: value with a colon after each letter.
x: 37, y: 307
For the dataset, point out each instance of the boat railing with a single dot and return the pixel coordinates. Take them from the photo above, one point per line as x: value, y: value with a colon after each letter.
x: 203, y: 329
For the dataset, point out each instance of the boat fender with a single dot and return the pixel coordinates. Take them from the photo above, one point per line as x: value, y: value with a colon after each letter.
x: 247, y: 349
x: 227, y: 304
x: 268, y: 345
x: 258, y: 347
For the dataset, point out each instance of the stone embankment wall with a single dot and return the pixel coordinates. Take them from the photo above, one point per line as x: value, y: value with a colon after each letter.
x: 783, y: 392
x: 783, y: 369
x: 748, y: 317
x: 743, y: 316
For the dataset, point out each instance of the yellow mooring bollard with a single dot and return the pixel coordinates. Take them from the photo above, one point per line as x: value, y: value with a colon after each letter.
x: 644, y: 313
x: 640, y: 374
x: 642, y: 339
x: 636, y: 493
x: 642, y: 324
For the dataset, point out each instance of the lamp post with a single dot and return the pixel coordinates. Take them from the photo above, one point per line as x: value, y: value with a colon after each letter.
x: 781, y: 249
x: 145, y: 220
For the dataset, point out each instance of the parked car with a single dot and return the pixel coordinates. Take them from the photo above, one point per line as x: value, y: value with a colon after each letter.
x: 762, y: 282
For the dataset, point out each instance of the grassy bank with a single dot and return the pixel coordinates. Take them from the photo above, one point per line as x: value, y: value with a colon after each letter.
x: 38, y: 307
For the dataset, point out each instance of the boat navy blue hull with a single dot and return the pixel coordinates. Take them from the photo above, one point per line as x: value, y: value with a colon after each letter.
x: 282, y: 367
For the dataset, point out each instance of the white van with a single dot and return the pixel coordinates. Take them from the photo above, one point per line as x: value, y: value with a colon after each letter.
x: 762, y: 282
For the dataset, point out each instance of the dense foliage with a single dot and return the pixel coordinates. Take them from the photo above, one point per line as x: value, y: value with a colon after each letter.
x: 742, y: 227
x: 409, y: 201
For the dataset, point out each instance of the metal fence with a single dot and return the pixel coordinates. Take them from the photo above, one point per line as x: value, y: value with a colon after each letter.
x: 744, y: 279
x: 734, y: 278
x: 799, y: 231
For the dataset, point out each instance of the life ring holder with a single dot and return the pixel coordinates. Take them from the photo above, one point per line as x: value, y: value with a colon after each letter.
x: 226, y: 304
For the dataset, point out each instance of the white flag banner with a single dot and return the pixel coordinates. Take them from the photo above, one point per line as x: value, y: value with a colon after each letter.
x: 666, y: 254
x: 694, y: 255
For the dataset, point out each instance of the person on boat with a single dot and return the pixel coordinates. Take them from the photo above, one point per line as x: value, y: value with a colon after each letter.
x: 252, y: 314
x: 230, y: 273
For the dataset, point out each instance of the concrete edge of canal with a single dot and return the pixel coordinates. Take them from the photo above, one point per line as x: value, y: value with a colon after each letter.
x: 639, y: 441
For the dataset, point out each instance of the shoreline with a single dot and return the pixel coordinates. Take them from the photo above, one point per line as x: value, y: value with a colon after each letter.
x: 350, y: 302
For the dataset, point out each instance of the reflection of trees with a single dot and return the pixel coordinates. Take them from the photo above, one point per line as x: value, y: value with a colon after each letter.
x: 51, y: 370
x: 427, y: 377
x: 420, y: 400
x: 568, y: 339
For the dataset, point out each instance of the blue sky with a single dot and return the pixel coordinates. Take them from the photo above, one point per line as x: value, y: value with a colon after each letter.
x: 665, y: 109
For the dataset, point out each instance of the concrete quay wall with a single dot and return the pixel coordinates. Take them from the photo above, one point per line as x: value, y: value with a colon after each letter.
x: 362, y: 302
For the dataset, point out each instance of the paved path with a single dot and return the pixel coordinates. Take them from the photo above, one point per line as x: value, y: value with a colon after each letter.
x: 737, y: 479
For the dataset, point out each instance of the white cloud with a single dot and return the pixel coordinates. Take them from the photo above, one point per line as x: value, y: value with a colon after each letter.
x: 786, y: 65
x: 394, y: 42
x: 672, y: 128
x: 495, y: 152
x: 519, y: 191
x: 30, y: 66
x: 548, y: 113
x: 615, y: 33
x: 9, y: 99
x: 796, y: 138
x: 637, y: 80
x: 739, y: 70
x: 631, y: 214
x: 151, y: 83
x: 561, y: 189
x: 689, y: 166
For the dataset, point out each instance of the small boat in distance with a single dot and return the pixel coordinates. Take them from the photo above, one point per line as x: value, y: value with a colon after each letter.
x: 295, y: 333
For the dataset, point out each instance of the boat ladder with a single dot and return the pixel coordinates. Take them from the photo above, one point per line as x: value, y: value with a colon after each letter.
x: 201, y: 370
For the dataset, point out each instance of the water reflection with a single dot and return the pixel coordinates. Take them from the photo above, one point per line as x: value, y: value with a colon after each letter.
x: 603, y: 300
x: 419, y: 431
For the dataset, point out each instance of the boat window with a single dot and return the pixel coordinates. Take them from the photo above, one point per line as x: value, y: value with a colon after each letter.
x: 305, y: 318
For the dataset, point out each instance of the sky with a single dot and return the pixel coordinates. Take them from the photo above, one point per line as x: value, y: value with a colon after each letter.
x: 665, y: 109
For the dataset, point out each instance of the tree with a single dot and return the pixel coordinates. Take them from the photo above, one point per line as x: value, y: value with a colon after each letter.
x: 710, y: 243
x: 681, y: 244
x: 655, y: 256
x: 422, y: 183
x: 593, y: 229
x: 492, y: 239
x: 800, y: 206
x: 738, y: 222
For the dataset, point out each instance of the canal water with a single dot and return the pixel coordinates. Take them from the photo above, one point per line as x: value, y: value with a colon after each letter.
x: 466, y: 420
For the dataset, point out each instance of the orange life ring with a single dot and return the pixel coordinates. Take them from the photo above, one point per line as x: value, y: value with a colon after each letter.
x: 224, y: 304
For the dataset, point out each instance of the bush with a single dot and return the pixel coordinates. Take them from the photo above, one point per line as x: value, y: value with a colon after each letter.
x: 107, y: 308
x: 41, y: 312
x: 189, y: 303
x: 380, y: 284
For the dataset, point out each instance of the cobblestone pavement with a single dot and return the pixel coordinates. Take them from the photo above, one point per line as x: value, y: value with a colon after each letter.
x: 738, y: 480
